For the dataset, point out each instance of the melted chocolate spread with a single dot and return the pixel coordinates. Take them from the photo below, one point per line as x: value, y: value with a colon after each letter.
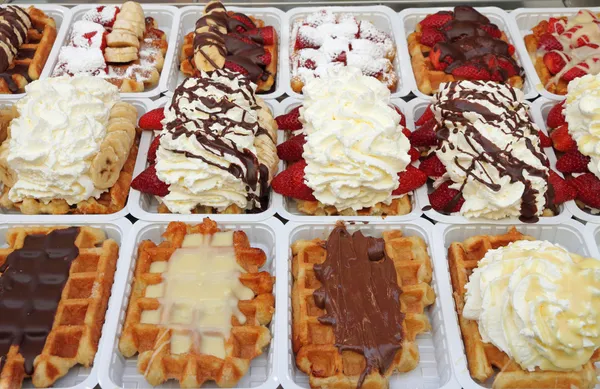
x: 361, y: 296
x: 457, y: 102
x: 245, y: 51
x: 32, y: 281
x: 253, y: 173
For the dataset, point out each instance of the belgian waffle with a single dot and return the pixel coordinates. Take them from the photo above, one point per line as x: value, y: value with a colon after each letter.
x: 73, y: 334
x: 484, y: 359
x: 314, y: 343
x: 156, y: 361
x: 31, y: 56
x: 246, y: 34
x: 399, y: 206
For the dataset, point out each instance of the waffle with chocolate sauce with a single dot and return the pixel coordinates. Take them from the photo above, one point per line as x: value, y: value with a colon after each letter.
x: 235, y: 41
x: 25, y: 44
x: 461, y: 45
x: 484, y: 359
x: 71, y: 275
x: 159, y: 358
x: 326, y: 333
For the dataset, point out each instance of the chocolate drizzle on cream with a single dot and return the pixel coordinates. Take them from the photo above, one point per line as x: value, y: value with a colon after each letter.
x: 455, y: 107
x: 361, y: 296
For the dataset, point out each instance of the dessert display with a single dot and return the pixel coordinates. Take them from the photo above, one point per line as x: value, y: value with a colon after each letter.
x: 485, y: 155
x: 26, y: 39
x: 574, y: 131
x: 565, y: 48
x: 527, y: 310
x: 215, y: 152
x: 199, y: 307
x: 325, y: 40
x: 69, y: 147
x: 348, y: 151
x: 118, y: 44
x: 461, y: 45
x: 55, y: 283
x: 231, y: 40
x: 358, y: 303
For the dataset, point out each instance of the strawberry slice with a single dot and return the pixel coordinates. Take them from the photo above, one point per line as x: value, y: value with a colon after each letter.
x: 236, y: 68
x: 263, y: 35
x: 561, y: 139
x: 266, y: 58
x: 414, y: 154
x: 290, y: 183
x: 572, y: 162
x: 148, y: 182
x: 399, y: 112
x: 437, y: 61
x: 291, y: 150
x: 555, y: 25
x: 492, y: 30
x: 432, y: 166
x: 587, y: 186
x: 545, y: 141
x: 304, y: 43
x: 245, y: 22
x: 563, y: 190
x: 427, y: 116
x: 410, y: 179
x: 445, y: 199
x: 151, y: 119
x: 152, y: 150
x: 577, y: 71
x: 407, y: 132
x: 290, y: 120
x: 549, y: 42
x: 437, y: 20
x: 555, y: 116
x: 554, y: 61
x: 471, y: 71
x: 430, y: 36
x: 423, y: 137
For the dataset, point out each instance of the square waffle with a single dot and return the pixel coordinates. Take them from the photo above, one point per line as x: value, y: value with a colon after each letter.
x: 398, y: 206
x: 73, y: 334
x: 242, y: 46
x: 157, y: 360
x: 314, y: 343
x: 32, y: 55
x: 484, y: 359
x: 429, y: 78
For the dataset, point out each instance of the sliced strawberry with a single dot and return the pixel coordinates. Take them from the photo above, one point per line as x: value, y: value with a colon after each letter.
x: 290, y: 120
x: 263, y: 35
x: 427, y: 116
x: 291, y: 150
x: 410, y: 179
x: 510, y: 67
x: 148, y: 182
x: 290, y: 183
x: 587, y: 186
x: 304, y: 43
x: 584, y: 40
x: 241, y: 37
x: 572, y: 162
x: 444, y: 197
x: 234, y: 67
x: 437, y: 61
x: 556, y: 25
x: 554, y: 61
x: 549, y: 42
x: 471, y: 71
x: 545, y: 141
x: 430, y: 36
x: 437, y: 19
x: 246, y: 22
x: 308, y: 64
x: 414, y: 154
x: 423, y: 138
x: 563, y: 190
x: 428, y: 125
x: 432, y: 166
x: 341, y: 57
x: 561, y: 139
x: 402, y: 117
x: 555, y: 116
x: 406, y: 132
x: 492, y: 30
x: 151, y: 119
x: 577, y: 71
x: 266, y: 58
x: 152, y: 150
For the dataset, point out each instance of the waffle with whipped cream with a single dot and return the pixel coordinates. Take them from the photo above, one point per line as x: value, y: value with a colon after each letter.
x: 118, y: 44
x: 25, y: 44
x: 484, y: 359
x: 199, y: 307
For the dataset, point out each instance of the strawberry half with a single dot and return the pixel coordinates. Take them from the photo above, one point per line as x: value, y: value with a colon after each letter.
x: 577, y: 71
x: 471, y: 71
x: 410, y: 179
x: 554, y: 62
x: 290, y: 183
x: 441, y: 198
x: 437, y: 19
x: 414, y: 154
x: 587, y: 186
x: 399, y: 112
x: 423, y: 137
x: 266, y: 58
x: 563, y: 190
x: 572, y: 162
x: 291, y: 150
x: 545, y: 141
x: 432, y: 166
x: 236, y: 68
x: 263, y: 35
x: 555, y: 116
x: 151, y: 119
x: 152, y: 150
x: 561, y: 139
x: 247, y: 23
x: 549, y: 42
x: 427, y: 116
x: 555, y: 25
x: 290, y: 120
x: 148, y: 182
x: 430, y: 36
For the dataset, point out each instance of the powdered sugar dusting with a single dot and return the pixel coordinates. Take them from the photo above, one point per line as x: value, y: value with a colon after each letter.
x: 79, y: 60
x: 87, y: 34
x: 105, y: 15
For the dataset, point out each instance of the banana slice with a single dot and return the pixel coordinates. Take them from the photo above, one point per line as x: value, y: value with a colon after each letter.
x: 105, y: 168
x: 120, y: 54
x: 121, y: 143
x: 121, y: 124
x: 122, y: 38
x: 207, y: 56
x: 7, y: 175
x: 135, y: 27
x: 132, y: 6
x: 124, y: 110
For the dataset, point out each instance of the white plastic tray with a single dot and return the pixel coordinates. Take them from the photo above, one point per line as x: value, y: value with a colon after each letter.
x: 382, y: 17
x: 540, y: 109
x: 569, y: 234
x: 410, y: 17
x: 145, y: 207
x: 189, y: 15
x: 115, y: 371
x: 12, y: 215
x: 80, y: 377
x: 435, y: 369
x: 593, y: 234
x: 417, y: 107
x: 62, y: 18
x: 286, y: 207
x: 167, y: 18
x: 524, y: 19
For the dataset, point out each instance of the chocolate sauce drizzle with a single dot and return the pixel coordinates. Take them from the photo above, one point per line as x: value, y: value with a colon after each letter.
x: 246, y: 50
x: 454, y: 101
x: 12, y: 31
x: 32, y: 281
x: 361, y: 296
x: 210, y: 132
